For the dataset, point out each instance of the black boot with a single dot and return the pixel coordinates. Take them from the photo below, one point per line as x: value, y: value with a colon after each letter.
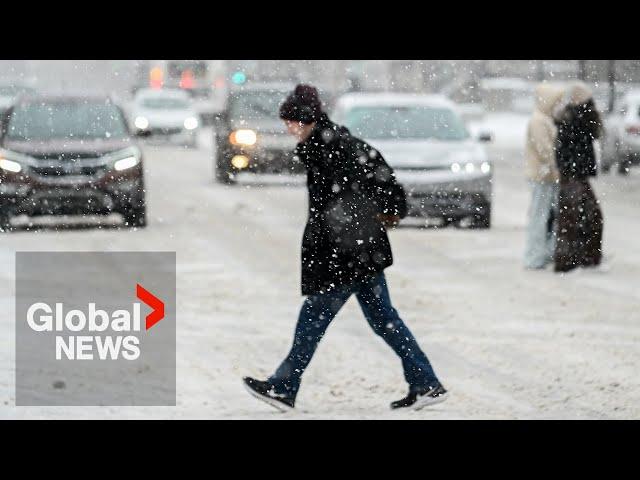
x: 418, y: 399
x: 264, y: 391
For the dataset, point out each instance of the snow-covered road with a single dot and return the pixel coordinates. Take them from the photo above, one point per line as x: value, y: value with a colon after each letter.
x: 506, y: 342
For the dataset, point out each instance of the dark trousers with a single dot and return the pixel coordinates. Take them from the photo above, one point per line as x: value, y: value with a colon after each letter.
x: 579, y: 226
x: 316, y: 315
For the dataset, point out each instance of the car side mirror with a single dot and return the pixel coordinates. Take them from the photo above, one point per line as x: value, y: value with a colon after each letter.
x: 485, y: 137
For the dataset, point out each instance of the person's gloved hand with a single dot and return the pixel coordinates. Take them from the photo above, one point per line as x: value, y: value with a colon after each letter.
x: 389, y: 221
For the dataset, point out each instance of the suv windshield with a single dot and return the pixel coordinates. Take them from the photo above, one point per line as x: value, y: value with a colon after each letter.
x: 44, y: 121
x: 14, y: 90
x: 413, y: 122
x: 256, y: 105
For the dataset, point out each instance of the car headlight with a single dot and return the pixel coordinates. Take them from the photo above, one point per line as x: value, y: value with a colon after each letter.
x: 243, y: 137
x: 240, y: 161
x: 191, y: 123
x: 141, y: 123
x: 10, y: 165
x: 124, y: 159
x: 125, y: 163
x: 14, y: 162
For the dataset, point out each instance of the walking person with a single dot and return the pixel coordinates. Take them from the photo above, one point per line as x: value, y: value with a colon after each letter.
x: 353, y: 198
x: 580, y: 221
x: 543, y: 177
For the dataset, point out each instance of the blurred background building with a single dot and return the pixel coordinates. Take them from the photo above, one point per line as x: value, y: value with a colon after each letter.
x: 460, y: 79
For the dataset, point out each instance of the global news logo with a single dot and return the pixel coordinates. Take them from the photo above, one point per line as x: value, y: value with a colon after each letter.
x: 96, y: 333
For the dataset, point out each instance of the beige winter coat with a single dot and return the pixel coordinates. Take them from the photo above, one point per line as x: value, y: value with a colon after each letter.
x: 541, y: 134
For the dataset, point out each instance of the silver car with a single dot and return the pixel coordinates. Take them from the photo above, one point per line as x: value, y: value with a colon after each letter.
x: 447, y: 174
x: 621, y: 141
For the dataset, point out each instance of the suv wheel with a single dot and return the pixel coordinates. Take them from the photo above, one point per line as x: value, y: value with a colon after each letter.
x: 223, y: 173
x: 5, y: 222
x: 135, y: 216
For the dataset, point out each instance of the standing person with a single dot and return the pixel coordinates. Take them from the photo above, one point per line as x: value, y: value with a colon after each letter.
x: 353, y: 196
x: 580, y: 222
x: 543, y: 177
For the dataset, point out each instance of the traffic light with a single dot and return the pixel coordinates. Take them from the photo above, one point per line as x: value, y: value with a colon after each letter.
x: 238, y: 78
x: 156, y: 77
x: 187, y: 80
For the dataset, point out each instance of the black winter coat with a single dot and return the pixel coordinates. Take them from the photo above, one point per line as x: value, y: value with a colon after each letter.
x: 575, y: 155
x: 349, y: 183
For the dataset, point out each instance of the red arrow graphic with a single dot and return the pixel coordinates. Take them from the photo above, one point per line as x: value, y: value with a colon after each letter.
x: 154, y: 302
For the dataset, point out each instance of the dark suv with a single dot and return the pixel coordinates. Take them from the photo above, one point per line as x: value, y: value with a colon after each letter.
x: 69, y: 156
x: 250, y: 137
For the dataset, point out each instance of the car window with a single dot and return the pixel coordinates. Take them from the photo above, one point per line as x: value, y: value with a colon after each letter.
x: 44, y: 121
x: 256, y: 105
x: 406, y: 122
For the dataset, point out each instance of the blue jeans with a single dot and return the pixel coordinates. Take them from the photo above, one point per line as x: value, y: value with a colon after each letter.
x: 318, y: 311
x: 541, y: 239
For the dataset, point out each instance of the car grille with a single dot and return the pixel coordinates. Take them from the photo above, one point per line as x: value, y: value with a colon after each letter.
x: 165, y: 131
x: 62, y: 170
x: 64, y: 156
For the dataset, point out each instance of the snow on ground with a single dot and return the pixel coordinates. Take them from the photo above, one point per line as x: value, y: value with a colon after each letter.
x: 506, y: 342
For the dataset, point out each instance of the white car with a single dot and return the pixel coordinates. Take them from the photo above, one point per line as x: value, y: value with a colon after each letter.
x: 446, y: 173
x: 621, y: 142
x: 167, y: 113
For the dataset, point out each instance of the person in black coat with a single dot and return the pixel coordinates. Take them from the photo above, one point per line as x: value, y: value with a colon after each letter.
x: 353, y: 198
x: 580, y: 221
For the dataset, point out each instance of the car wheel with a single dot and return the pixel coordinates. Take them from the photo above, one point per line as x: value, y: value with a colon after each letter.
x: 223, y: 174
x: 5, y: 222
x: 135, y: 217
x: 624, y: 165
x: 481, y: 219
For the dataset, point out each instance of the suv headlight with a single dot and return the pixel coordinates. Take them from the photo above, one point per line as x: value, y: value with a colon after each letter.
x: 124, y: 159
x: 14, y: 162
x: 10, y: 165
x: 243, y: 137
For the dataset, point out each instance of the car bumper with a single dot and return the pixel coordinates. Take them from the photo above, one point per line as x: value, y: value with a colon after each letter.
x: 268, y: 161
x: 36, y: 196
x: 441, y: 194
x: 171, y: 133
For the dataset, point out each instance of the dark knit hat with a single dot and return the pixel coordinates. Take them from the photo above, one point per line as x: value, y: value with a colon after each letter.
x: 302, y: 105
